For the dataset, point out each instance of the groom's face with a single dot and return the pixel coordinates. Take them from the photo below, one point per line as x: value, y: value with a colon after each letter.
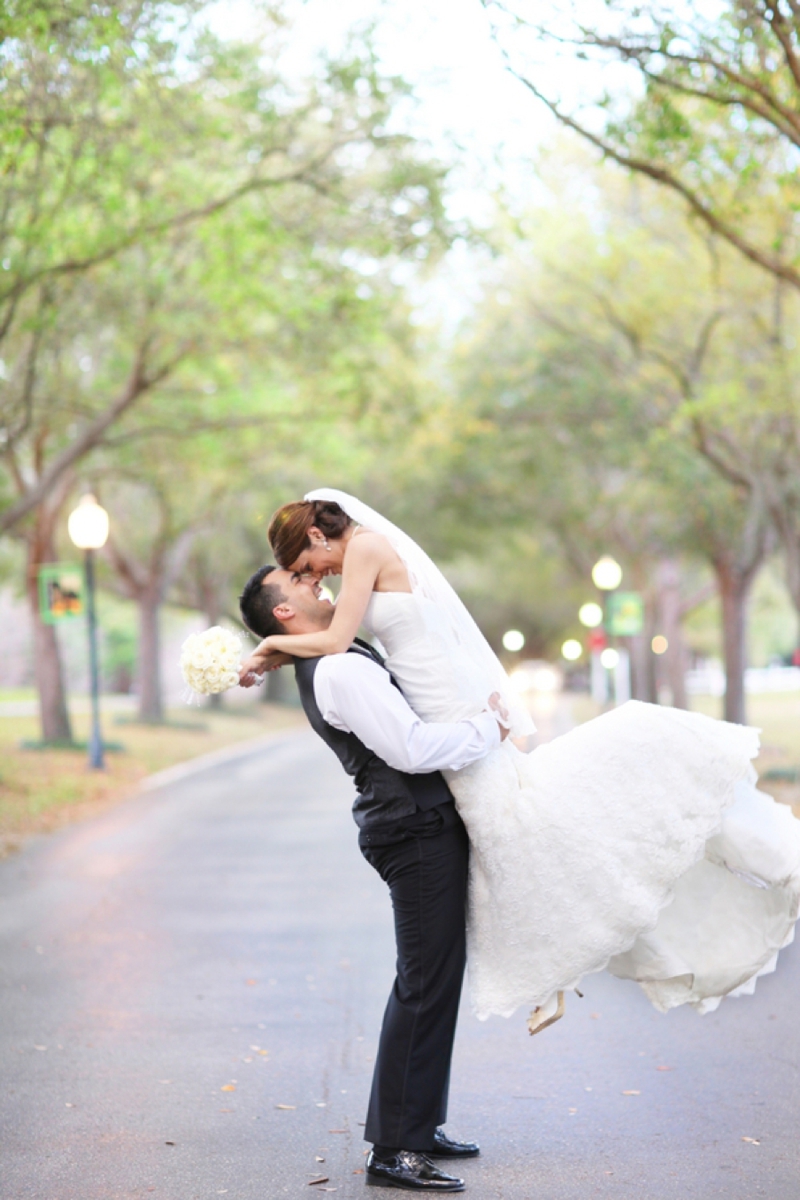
x: 301, y: 608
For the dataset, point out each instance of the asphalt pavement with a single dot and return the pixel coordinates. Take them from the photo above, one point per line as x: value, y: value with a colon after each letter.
x: 192, y: 987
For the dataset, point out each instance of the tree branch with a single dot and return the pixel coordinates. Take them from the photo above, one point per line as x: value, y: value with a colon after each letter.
x: 138, y: 383
x: 767, y: 262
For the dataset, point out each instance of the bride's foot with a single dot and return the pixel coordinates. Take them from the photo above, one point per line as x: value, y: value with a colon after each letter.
x: 546, y: 1014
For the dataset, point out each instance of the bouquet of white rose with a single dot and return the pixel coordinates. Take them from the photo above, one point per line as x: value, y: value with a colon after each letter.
x: 210, y: 660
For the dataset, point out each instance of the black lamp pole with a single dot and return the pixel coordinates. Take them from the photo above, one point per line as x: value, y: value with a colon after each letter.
x: 96, y: 760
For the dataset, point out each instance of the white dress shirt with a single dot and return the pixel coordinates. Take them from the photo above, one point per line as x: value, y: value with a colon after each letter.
x: 357, y: 695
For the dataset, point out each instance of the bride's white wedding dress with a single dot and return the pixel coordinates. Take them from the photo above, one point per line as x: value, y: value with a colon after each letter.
x: 636, y: 841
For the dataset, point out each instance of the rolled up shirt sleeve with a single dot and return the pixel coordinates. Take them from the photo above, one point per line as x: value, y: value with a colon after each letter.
x: 356, y: 695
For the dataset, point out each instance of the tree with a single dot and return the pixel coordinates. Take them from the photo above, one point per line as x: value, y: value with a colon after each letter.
x: 127, y: 131
x: 712, y: 114
x: 601, y: 373
x: 172, y: 214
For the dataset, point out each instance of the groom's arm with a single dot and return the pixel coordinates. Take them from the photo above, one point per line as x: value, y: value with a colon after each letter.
x: 357, y: 696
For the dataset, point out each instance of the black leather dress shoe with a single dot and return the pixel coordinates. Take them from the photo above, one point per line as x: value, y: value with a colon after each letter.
x: 444, y: 1147
x: 408, y: 1169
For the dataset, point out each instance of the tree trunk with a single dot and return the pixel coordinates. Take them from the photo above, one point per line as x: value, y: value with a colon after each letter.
x: 790, y: 541
x: 151, y: 705
x: 734, y: 591
x: 676, y: 658
x: 642, y: 673
x: 53, y: 712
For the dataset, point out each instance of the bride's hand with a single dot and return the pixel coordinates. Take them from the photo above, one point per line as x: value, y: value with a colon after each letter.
x: 251, y: 670
x: 501, y: 714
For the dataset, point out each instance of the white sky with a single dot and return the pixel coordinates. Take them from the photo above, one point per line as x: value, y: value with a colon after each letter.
x: 445, y: 49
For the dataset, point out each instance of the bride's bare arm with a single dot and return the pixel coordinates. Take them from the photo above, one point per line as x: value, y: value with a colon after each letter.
x: 365, y: 556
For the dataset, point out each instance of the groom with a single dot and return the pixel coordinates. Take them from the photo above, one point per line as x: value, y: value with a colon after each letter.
x: 410, y: 832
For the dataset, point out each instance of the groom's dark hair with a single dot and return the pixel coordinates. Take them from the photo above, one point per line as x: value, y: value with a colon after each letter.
x: 257, y: 602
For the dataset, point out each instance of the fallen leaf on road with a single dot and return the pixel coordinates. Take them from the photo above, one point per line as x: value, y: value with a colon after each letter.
x: 753, y: 1141
x: 632, y: 1092
x: 228, y: 1087
x: 322, y: 1179
x: 572, y: 1111
x: 251, y: 982
x: 595, y: 1016
x: 247, y: 1060
x: 226, y: 1110
x: 169, y: 1143
x: 286, y: 1106
x: 360, y: 1171
x: 68, y: 1105
x: 40, y: 1047
x: 317, y: 1158
x: 665, y: 1068
x: 262, y: 1052
x: 338, y: 1131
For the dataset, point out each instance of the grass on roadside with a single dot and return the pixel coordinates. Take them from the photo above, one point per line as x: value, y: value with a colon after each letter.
x: 41, y: 790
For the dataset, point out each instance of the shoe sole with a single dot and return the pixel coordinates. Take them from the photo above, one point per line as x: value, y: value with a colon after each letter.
x: 410, y: 1187
x: 441, y: 1154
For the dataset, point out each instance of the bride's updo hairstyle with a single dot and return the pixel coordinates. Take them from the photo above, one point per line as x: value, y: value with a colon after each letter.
x: 288, y: 529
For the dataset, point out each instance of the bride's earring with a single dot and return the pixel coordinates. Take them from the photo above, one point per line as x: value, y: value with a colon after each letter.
x: 326, y: 544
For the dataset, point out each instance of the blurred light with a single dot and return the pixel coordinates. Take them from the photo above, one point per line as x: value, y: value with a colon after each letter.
x: 609, y: 658
x: 545, y: 679
x: 590, y: 615
x: 88, y: 524
x: 520, y: 681
x: 325, y: 593
x: 537, y: 677
x: 607, y: 574
x: 513, y: 640
x: 572, y: 649
x: 659, y: 644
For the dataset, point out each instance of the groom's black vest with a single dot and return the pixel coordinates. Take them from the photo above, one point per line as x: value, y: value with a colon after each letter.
x: 385, y: 795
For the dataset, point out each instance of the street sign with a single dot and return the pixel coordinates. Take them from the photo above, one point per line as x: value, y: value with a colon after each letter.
x: 61, y: 592
x: 596, y: 640
x: 624, y: 614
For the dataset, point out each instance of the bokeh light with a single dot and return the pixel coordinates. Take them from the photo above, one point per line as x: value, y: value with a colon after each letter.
x: 610, y: 657
x: 607, y: 573
x: 513, y: 640
x: 572, y: 649
x: 659, y: 644
x: 88, y: 524
x: 590, y: 615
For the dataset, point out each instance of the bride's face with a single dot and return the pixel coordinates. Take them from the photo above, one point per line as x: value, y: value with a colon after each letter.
x: 322, y: 558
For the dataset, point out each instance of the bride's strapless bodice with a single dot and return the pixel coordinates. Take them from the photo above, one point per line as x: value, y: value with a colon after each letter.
x: 425, y: 658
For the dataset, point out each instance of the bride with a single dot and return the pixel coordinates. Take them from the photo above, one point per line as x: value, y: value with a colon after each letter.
x: 636, y: 841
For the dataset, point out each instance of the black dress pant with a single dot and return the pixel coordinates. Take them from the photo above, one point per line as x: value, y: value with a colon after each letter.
x: 424, y: 860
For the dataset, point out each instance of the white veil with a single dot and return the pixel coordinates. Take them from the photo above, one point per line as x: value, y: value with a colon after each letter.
x: 428, y: 580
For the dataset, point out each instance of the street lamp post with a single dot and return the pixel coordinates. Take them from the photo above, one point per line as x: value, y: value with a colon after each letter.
x: 607, y: 576
x: 88, y: 530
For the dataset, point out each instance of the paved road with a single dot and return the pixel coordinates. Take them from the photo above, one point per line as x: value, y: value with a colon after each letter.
x: 192, y: 988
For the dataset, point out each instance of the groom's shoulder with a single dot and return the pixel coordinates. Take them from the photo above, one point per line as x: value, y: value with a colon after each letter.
x: 351, y: 664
